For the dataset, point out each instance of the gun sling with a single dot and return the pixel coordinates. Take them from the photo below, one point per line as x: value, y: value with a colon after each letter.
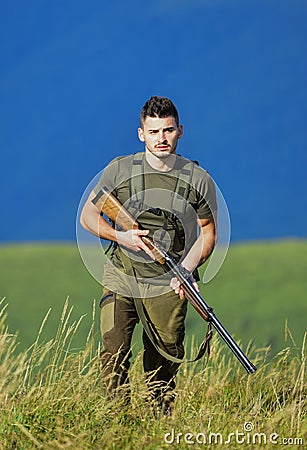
x: 150, y: 328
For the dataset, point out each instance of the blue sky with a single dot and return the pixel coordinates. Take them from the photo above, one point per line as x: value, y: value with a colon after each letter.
x: 74, y: 76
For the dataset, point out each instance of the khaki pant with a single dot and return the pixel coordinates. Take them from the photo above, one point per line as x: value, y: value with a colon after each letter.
x: 118, y: 319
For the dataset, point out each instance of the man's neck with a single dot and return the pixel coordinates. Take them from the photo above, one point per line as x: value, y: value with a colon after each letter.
x: 160, y: 164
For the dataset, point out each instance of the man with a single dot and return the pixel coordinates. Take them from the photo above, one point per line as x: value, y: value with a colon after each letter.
x: 174, y: 201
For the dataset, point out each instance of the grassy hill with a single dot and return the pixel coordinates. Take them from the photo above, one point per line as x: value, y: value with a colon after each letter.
x: 260, y: 286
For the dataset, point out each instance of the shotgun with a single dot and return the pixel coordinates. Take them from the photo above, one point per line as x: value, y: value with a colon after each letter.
x: 108, y: 204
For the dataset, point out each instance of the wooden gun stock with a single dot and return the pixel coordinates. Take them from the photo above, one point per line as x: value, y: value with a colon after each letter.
x: 115, y: 211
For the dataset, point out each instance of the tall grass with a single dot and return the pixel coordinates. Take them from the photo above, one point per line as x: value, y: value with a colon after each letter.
x: 51, y: 397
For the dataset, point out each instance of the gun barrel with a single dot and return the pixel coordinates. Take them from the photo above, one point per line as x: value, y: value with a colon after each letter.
x: 207, y: 313
x: 228, y: 339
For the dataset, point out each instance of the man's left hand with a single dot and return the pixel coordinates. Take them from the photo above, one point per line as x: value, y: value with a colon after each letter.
x: 177, y: 286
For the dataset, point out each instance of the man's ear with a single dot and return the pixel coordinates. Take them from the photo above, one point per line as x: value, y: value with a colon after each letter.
x: 141, y: 134
x: 180, y: 128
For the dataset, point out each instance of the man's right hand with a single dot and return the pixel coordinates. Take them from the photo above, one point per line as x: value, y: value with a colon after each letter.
x: 92, y: 221
x: 132, y: 239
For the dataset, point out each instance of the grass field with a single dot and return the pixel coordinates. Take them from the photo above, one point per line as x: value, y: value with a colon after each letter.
x: 52, y: 398
x: 51, y: 395
x: 260, y: 287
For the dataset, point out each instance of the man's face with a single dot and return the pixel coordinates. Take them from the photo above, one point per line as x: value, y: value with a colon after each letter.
x: 160, y: 135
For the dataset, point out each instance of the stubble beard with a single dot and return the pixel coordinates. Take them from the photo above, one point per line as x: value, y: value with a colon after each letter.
x: 162, y: 154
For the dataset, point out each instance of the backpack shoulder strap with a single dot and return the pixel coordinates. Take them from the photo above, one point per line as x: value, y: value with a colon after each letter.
x: 183, y: 187
x: 137, y: 184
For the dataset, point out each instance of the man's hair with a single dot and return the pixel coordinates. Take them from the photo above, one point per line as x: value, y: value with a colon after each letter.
x: 159, y: 107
